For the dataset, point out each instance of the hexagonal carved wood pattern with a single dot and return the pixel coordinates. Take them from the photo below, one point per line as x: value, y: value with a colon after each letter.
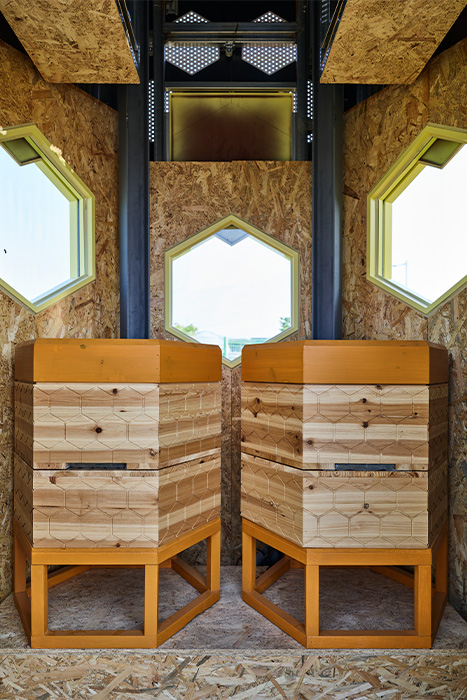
x: 143, y: 425
x: 345, y: 509
x: 304, y: 425
x: 121, y: 508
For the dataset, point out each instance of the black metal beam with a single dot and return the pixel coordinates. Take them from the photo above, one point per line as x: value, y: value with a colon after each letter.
x: 232, y: 31
x: 134, y: 189
x: 327, y: 199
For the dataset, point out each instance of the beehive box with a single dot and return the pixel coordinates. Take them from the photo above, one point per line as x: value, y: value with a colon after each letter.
x: 117, y: 442
x: 345, y: 442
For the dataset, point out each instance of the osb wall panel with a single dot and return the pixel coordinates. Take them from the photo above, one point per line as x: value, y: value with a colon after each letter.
x: 185, y: 198
x: 85, y: 131
x: 376, y: 132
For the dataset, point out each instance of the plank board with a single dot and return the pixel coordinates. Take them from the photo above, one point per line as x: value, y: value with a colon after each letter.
x: 78, y: 41
x: 381, y: 43
x: 146, y: 426
x: 315, y: 508
x: 80, y: 508
x: 116, y: 360
x: 346, y: 362
x: 304, y: 425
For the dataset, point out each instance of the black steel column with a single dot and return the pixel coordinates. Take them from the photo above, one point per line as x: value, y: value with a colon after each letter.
x: 134, y: 189
x: 158, y: 75
x: 301, y: 130
x: 327, y: 199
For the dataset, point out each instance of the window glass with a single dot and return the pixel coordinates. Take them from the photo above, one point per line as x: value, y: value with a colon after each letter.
x: 429, y: 229
x: 232, y: 294
x: 35, y: 229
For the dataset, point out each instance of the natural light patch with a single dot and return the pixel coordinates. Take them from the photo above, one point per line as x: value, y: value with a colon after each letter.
x: 417, y: 231
x: 230, y: 286
x: 46, y: 222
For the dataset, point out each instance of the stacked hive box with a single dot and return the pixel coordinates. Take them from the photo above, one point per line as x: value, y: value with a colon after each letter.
x: 348, y: 446
x: 344, y: 443
x: 117, y: 442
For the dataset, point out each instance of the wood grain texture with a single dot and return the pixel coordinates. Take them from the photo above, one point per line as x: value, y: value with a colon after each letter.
x: 85, y: 132
x: 145, y: 425
x: 185, y: 198
x: 346, y: 362
x: 376, y: 132
x: 134, y: 508
x: 382, y: 44
x: 116, y: 360
x: 74, y: 42
x: 310, y: 424
x: 345, y: 509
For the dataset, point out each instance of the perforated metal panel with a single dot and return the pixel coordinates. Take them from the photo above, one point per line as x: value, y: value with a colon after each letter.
x: 269, y: 17
x: 191, y: 17
x: 191, y: 57
x: 269, y: 58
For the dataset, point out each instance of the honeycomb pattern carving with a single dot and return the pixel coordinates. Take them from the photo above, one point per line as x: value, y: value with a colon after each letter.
x: 82, y: 508
x: 143, y: 425
x: 345, y: 509
x: 306, y: 425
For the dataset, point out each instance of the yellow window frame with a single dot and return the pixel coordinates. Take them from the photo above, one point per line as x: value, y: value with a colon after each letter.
x: 82, y: 216
x: 232, y: 221
x: 379, y: 215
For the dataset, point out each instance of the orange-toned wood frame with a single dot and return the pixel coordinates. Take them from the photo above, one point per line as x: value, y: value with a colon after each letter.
x: 429, y: 601
x: 32, y: 601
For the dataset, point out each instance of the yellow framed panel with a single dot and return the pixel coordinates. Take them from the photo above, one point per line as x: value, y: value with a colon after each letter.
x: 273, y: 109
x: 379, y: 212
x: 232, y: 221
x: 82, y: 215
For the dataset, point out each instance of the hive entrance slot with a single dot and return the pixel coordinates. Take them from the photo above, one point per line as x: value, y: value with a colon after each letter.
x: 365, y: 467
x: 94, y: 465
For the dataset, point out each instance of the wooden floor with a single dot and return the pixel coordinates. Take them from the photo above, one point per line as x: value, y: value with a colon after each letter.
x: 230, y: 650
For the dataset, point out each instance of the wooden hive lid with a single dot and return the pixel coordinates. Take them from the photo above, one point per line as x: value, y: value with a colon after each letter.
x: 117, y: 360
x: 346, y: 362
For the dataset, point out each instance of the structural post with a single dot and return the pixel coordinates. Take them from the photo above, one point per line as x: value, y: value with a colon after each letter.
x: 158, y: 77
x: 301, y: 130
x: 327, y: 198
x: 134, y: 189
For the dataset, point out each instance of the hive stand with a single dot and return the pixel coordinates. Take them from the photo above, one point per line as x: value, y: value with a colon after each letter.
x: 344, y: 463
x: 117, y: 464
x: 429, y: 602
x: 34, y: 615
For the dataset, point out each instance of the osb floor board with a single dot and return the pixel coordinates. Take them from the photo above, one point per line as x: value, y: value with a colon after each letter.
x: 383, y: 43
x: 352, y: 598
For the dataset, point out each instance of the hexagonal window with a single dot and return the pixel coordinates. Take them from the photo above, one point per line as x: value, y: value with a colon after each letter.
x: 417, y: 242
x: 230, y: 285
x: 47, y: 221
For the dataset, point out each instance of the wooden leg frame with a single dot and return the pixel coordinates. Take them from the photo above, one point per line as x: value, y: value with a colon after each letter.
x: 429, y: 601
x: 32, y: 602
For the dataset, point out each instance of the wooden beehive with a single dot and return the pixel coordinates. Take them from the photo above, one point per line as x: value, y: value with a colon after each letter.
x: 345, y: 443
x: 117, y: 442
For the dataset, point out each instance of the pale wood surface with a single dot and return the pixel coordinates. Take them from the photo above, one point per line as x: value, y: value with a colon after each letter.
x: 309, y: 425
x: 116, y: 360
x: 427, y: 609
x: 346, y: 362
x: 78, y: 41
x: 99, y: 509
x: 143, y: 425
x: 403, y: 510
x: 383, y: 43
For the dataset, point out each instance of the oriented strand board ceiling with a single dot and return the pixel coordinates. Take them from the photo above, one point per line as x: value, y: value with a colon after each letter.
x: 73, y: 41
x: 380, y: 43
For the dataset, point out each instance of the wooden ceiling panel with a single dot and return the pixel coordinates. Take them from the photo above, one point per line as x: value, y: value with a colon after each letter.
x: 73, y: 41
x: 380, y: 43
